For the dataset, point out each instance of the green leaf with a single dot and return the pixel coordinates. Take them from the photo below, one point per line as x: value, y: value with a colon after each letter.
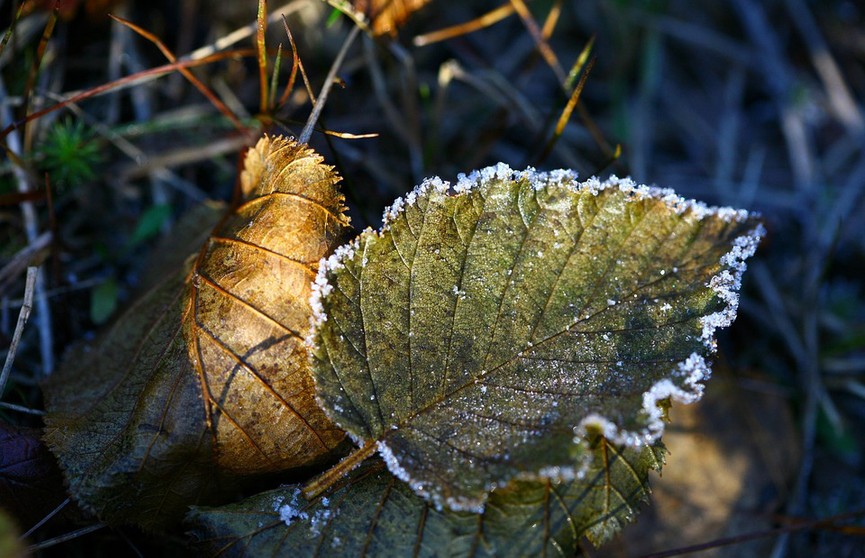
x: 480, y: 336
x: 103, y: 300
x: 150, y: 223
x: 371, y: 513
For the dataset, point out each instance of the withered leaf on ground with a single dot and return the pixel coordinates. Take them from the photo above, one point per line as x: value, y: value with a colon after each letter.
x: 371, y: 513
x: 250, y: 298
x: 205, y: 377
x: 387, y: 15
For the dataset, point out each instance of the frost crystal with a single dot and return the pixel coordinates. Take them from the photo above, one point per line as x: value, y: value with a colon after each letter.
x: 321, y: 287
x: 400, y: 204
x: 726, y: 284
x: 694, y: 370
x: 290, y: 511
x: 392, y: 462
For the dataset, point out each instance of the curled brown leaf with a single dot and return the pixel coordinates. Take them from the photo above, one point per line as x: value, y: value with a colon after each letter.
x: 205, y: 378
x: 249, y: 311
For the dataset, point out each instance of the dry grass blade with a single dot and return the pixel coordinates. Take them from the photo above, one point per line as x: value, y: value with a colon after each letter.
x: 540, y: 38
x: 301, y: 69
x: 841, y: 100
x: 127, y: 81
x: 216, y: 101
x: 13, y: 144
x: 40, y: 53
x: 328, y: 83
x: 296, y: 65
x: 47, y: 518
x: 54, y: 541
x: 261, y: 22
x: 274, y: 76
x: 465, y: 28
x: 11, y: 30
x: 569, y: 108
x: 552, y: 19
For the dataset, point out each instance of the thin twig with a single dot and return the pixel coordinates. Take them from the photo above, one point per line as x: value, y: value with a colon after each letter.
x: 328, y: 83
x: 32, y: 549
x: 21, y: 409
x: 30, y: 255
x: 827, y: 523
x: 31, y: 229
x: 123, y: 83
x: 216, y: 101
x: 45, y: 519
x: 23, y: 315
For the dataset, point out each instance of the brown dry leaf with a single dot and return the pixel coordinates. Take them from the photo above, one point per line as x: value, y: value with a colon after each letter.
x: 205, y: 377
x: 387, y: 15
x: 250, y: 300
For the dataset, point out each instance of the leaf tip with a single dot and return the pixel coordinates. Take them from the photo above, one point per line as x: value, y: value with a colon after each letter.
x: 401, y: 204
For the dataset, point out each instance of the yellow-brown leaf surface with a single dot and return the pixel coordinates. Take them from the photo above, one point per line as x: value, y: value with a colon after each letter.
x: 387, y: 15
x: 204, y: 378
x: 250, y: 311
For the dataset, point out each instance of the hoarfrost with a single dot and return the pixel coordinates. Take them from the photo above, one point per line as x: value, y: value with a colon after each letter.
x: 400, y: 204
x: 392, y: 462
x: 693, y: 371
x: 420, y: 488
x: 290, y: 511
x: 726, y: 284
x: 321, y: 287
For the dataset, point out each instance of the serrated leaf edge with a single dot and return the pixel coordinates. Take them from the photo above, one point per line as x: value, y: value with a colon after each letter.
x: 693, y: 371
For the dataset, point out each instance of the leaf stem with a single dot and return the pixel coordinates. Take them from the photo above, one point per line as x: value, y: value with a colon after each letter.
x: 324, y: 481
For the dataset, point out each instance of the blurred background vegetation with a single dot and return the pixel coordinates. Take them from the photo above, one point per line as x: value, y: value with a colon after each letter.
x: 754, y: 104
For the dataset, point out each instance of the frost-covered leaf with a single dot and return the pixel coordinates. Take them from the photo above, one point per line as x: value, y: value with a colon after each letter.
x: 206, y: 377
x: 371, y: 513
x: 479, y: 336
